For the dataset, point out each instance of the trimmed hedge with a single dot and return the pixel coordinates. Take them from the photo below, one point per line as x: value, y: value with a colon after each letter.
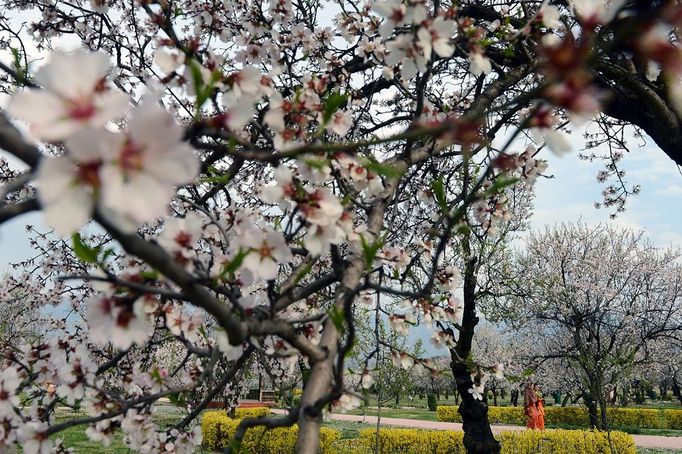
x: 413, y: 441
x: 674, y: 419
x: 646, y: 418
x: 558, y: 441
x: 250, y: 412
x: 218, y: 429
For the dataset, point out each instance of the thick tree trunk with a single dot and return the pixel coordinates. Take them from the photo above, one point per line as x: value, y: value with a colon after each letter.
x: 677, y: 392
x: 604, y: 415
x: 566, y: 399
x: 592, y: 410
x: 494, y: 397
x: 478, y: 437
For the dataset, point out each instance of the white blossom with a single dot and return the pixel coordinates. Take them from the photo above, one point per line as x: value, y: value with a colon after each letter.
x: 74, y: 96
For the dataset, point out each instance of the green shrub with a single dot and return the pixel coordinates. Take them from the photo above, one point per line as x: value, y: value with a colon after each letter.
x: 218, y: 429
x: 431, y: 402
x: 556, y: 441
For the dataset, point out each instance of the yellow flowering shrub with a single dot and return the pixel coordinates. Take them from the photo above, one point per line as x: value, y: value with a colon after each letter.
x: 251, y: 412
x: 448, y: 413
x: 573, y: 416
x: 558, y: 441
x: 507, y: 415
x: 673, y: 419
x: 648, y: 418
x: 218, y: 430
x: 414, y: 441
x: 576, y: 416
x: 554, y: 441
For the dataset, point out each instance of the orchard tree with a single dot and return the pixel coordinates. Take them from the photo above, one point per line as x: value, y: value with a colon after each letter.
x: 230, y: 177
x: 664, y: 368
x: 596, y: 299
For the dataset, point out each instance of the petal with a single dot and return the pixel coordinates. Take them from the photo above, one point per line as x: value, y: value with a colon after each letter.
x: 138, y: 196
x: 176, y: 165
x: 91, y: 145
x: 109, y: 105
x: 69, y: 213
x: 151, y: 124
x: 74, y: 74
x: 36, y: 106
x: 54, y: 179
x: 268, y: 269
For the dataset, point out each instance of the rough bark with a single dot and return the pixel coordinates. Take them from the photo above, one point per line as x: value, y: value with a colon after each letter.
x: 478, y: 437
x: 592, y: 410
x: 645, y: 104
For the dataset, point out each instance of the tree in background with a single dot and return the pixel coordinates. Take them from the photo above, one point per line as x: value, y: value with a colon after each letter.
x: 596, y: 298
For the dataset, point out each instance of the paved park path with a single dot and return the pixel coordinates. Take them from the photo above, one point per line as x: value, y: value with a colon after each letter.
x: 643, y: 441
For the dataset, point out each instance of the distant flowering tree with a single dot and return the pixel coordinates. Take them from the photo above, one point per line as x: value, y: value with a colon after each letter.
x: 595, y: 302
x: 230, y: 179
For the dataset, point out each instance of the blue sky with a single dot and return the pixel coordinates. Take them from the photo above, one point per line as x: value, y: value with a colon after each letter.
x: 657, y: 210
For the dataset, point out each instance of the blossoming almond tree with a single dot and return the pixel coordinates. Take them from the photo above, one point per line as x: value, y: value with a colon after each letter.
x: 248, y: 174
x: 596, y: 299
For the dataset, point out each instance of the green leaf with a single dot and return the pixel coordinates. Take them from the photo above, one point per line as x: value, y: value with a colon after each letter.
x: 197, y: 79
x: 177, y: 399
x: 235, y: 263
x: 221, y: 179
x: 332, y: 104
x: 301, y: 274
x: 369, y: 251
x: 202, y: 88
x: 107, y: 253
x: 438, y: 189
x: 384, y: 169
x: 463, y: 229
x: 318, y: 164
x: 82, y: 250
x: 16, y: 63
x: 500, y: 183
x: 151, y: 275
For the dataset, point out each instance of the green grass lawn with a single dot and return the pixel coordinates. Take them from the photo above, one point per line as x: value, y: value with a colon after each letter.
x: 74, y: 437
x: 407, y: 413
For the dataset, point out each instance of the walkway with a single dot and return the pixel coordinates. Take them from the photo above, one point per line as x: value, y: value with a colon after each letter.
x: 643, y: 441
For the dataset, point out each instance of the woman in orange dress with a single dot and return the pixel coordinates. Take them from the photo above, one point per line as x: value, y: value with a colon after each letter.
x: 540, y: 405
x: 530, y: 399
